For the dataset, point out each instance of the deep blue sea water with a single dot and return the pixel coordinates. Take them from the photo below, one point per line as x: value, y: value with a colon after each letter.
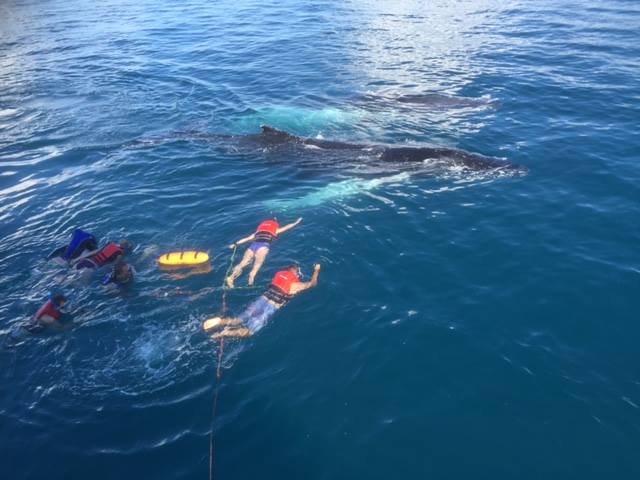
x: 465, y: 326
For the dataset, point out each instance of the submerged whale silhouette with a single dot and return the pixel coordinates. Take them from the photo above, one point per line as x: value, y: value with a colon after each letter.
x: 450, y: 157
x: 431, y: 100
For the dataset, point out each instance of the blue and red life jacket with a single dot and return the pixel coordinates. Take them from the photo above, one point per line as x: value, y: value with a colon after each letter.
x: 80, y: 241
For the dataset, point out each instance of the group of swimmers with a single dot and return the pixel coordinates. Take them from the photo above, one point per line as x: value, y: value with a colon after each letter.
x: 83, y: 253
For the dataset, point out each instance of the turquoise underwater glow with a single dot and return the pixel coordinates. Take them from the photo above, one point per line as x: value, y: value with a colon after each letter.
x: 466, y: 325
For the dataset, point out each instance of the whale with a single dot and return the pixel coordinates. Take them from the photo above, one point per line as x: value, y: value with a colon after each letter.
x: 413, y: 156
x: 271, y: 138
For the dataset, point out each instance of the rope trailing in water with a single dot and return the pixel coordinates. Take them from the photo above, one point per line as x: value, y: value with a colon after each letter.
x: 215, y: 407
x: 219, y: 367
x: 224, y: 281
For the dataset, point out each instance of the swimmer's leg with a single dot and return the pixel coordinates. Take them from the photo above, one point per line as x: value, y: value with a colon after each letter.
x: 217, y: 322
x: 200, y: 270
x: 261, y: 255
x: 232, y: 332
x: 246, y: 260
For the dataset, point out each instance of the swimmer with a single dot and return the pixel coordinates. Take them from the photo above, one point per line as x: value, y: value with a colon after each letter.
x: 122, y: 274
x: 49, y: 314
x: 82, y: 244
x: 109, y: 254
x: 285, y: 285
x: 257, y: 252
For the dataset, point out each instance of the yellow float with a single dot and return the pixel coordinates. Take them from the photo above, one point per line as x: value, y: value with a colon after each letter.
x: 186, y: 259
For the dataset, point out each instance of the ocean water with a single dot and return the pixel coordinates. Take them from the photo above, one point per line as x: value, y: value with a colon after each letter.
x: 466, y: 324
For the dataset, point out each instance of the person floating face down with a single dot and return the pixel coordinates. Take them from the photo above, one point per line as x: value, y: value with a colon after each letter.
x: 49, y: 314
x: 257, y: 252
x: 285, y: 285
x: 82, y: 244
x: 110, y: 253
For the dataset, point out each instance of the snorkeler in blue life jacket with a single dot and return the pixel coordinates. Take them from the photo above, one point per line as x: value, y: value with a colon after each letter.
x: 122, y: 274
x: 108, y: 254
x: 82, y: 244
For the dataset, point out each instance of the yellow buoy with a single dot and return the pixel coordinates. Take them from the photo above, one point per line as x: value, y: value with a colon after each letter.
x: 189, y: 258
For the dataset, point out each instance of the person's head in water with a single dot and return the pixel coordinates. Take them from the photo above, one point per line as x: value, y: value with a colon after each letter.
x: 58, y: 299
x: 295, y: 268
x: 122, y: 273
x: 126, y: 246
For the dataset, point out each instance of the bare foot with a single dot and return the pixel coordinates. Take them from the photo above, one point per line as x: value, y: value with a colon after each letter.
x: 229, y: 282
x: 211, y: 323
x: 250, y: 280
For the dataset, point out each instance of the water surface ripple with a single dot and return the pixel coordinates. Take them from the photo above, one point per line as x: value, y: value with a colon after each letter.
x: 466, y: 325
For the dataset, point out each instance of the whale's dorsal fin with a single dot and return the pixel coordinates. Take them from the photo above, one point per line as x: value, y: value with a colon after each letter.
x: 273, y: 134
x: 267, y: 130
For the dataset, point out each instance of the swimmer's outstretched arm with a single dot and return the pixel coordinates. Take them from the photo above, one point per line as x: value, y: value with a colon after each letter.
x: 242, y: 240
x: 85, y: 254
x: 302, y: 286
x: 286, y: 228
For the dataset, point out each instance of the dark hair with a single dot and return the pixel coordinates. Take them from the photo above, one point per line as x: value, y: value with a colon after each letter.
x: 58, y: 298
x: 293, y: 266
x: 126, y: 245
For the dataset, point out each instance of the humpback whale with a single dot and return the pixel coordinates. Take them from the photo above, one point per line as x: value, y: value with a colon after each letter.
x: 408, y: 157
x: 271, y: 137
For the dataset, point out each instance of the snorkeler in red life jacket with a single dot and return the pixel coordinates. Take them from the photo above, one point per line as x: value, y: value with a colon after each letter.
x: 50, y: 313
x: 285, y: 285
x: 108, y: 254
x: 261, y: 239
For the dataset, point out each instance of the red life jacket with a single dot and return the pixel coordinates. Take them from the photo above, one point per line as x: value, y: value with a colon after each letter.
x: 267, y: 231
x: 50, y: 309
x: 107, y: 254
x: 280, y: 289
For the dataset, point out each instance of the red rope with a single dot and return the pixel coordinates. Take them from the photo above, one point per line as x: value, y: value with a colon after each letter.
x: 215, y: 407
x: 220, y: 354
x: 218, y: 374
